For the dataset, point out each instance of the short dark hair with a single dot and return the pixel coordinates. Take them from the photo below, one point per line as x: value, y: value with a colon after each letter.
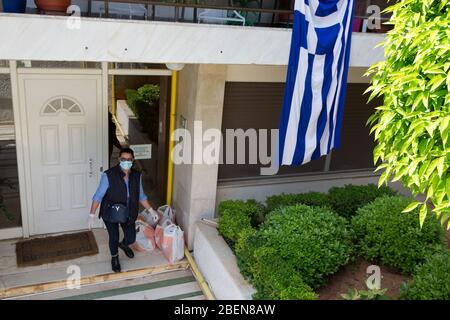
x: 126, y: 150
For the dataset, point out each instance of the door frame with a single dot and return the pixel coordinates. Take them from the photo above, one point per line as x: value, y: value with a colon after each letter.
x: 22, y: 141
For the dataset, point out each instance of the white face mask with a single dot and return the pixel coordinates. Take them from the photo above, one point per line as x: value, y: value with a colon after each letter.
x: 126, y: 165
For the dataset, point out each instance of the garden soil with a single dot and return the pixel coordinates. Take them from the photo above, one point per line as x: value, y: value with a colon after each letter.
x: 354, y: 276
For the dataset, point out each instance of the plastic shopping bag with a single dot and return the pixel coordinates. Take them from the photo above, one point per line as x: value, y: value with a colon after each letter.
x: 145, y: 237
x: 159, y: 232
x: 173, y: 243
x: 149, y: 216
x: 166, y: 212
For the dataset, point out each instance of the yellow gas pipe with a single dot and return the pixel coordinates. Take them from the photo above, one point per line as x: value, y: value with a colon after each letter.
x: 173, y: 108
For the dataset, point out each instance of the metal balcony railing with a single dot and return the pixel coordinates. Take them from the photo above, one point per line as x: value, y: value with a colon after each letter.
x: 263, y: 13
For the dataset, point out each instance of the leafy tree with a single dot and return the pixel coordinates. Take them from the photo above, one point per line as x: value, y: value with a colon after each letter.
x: 412, y: 128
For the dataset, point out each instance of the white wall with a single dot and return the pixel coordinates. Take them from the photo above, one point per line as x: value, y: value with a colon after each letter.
x: 260, y: 189
x: 218, y: 265
x: 40, y: 37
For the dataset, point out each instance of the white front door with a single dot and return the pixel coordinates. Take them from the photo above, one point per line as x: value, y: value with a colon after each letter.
x: 63, y: 117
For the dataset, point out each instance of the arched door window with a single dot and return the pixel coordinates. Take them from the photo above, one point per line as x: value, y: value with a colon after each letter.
x: 61, y: 103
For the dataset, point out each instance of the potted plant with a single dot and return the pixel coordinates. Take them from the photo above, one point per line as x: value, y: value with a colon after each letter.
x: 52, y: 5
x: 14, y: 6
x: 286, y: 17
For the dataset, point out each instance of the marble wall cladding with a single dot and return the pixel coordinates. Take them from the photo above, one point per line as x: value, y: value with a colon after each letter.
x: 157, y: 42
x: 200, y: 98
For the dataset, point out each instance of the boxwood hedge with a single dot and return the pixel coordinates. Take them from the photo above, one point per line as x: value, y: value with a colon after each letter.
x: 298, y: 240
x: 431, y: 280
x: 316, y: 199
x: 346, y: 200
x: 387, y: 235
x: 236, y: 216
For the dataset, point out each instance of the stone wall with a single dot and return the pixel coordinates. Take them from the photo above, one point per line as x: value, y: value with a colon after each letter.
x: 200, y: 98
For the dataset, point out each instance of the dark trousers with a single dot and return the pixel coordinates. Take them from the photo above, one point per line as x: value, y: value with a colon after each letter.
x: 129, y: 233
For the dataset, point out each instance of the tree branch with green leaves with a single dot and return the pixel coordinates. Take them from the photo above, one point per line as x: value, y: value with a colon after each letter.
x: 411, y: 128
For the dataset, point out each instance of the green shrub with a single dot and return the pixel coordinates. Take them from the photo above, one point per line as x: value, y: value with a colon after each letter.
x: 394, y: 238
x: 431, y: 280
x: 248, y: 241
x: 346, y: 200
x: 236, y: 216
x: 143, y: 103
x: 149, y: 93
x: 316, y: 199
x: 312, y: 242
x: 132, y: 99
x: 297, y: 290
x: 282, y: 284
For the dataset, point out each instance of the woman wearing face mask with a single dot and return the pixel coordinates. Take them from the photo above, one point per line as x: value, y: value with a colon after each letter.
x: 118, y: 195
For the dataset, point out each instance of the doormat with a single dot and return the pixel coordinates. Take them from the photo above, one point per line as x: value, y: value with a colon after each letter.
x: 39, y: 251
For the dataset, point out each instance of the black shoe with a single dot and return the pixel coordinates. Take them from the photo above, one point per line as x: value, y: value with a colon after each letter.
x: 129, y: 253
x: 115, y: 265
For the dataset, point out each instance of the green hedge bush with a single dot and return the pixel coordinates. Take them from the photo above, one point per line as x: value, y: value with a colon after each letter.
x: 236, y: 216
x: 346, y: 200
x: 343, y: 200
x: 144, y: 104
x: 316, y: 199
x: 431, y: 280
x: 248, y: 241
x: 276, y: 280
x: 298, y: 240
x: 387, y: 235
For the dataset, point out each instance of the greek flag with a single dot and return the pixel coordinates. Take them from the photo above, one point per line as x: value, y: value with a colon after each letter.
x: 313, y: 104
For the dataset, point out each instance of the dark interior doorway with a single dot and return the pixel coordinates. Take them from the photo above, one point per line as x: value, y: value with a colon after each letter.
x: 140, y: 107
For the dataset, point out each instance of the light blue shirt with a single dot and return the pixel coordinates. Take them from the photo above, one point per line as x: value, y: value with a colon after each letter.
x: 104, y: 185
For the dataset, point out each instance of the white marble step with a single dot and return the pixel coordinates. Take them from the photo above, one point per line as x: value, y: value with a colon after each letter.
x: 175, y: 284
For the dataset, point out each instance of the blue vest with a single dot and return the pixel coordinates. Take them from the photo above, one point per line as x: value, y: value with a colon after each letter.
x: 117, y: 191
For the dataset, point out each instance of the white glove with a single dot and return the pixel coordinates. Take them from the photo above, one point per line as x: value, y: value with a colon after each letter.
x: 91, y: 221
x: 153, y: 217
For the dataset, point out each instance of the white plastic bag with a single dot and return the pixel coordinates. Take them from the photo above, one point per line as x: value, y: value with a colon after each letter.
x: 173, y: 243
x: 159, y: 232
x: 145, y: 237
x: 166, y: 212
x: 149, y: 216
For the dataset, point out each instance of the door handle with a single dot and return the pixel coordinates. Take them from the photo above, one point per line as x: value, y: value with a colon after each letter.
x: 91, y: 168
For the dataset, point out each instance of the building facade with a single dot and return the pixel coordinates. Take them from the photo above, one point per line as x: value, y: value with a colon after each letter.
x: 55, y: 94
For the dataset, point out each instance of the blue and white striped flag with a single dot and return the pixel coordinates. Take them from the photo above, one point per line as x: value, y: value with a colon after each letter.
x: 313, y: 104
